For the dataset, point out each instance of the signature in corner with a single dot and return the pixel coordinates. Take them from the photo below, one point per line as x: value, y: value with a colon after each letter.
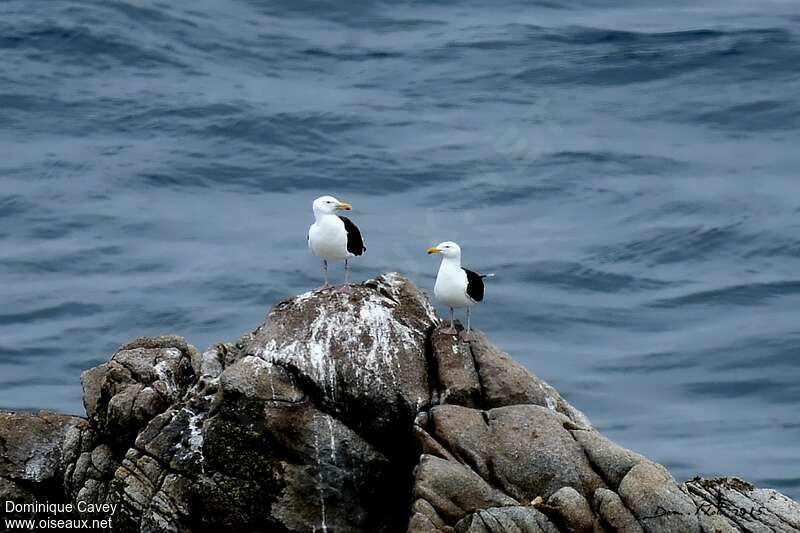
x: 709, y: 509
x: 661, y: 512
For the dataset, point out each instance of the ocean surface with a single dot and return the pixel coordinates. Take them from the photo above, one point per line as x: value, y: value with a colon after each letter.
x: 630, y: 170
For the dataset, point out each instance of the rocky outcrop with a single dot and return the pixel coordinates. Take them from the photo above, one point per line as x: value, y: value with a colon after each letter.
x: 352, y: 413
x: 32, y: 457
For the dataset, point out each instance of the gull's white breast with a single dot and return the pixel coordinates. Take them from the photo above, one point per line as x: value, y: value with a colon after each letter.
x: 327, y: 238
x: 451, y: 286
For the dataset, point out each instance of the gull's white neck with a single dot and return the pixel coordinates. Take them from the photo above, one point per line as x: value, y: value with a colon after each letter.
x: 320, y: 216
x: 450, y: 264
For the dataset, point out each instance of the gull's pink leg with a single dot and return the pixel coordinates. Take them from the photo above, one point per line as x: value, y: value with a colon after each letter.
x: 346, y: 287
x: 467, y: 335
x: 325, y: 268
x: 452, y: 329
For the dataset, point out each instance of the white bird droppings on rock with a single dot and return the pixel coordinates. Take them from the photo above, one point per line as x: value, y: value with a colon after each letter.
x: 164, y: 372
x: 323, y: 523
x: 333, y: 438
x: 366, y: 327
x: 195, y: 440
x: 196, y: 433
x: 35, y: 466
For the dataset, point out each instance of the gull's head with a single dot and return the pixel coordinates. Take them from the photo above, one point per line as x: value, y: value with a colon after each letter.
x: 446, y: 248
x: 327, y: 205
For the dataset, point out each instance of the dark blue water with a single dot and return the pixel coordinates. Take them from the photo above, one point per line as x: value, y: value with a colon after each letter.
x: 629, y: 169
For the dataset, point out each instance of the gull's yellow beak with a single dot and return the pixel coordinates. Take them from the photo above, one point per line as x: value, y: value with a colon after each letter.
x: 344, y: 206
x: 433, y: 250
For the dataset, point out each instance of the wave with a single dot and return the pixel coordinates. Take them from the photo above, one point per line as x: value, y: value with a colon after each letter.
x: 748, y: 295
x: 755, y: 116
x: 606, y: 57
x: 79, y: 44
x: 53, y: 312
x: 577, y: 277
x: 691, y: 244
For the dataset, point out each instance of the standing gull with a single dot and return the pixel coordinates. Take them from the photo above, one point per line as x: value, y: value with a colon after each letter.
x: 456, y: 287
x: 333, y: 237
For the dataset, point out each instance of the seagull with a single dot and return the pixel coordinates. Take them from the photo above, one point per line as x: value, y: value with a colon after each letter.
x: 333, y: 237
x: 456, y: 287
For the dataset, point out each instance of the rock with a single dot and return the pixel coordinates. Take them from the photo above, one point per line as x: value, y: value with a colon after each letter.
x: 304, y: 466
x: 160, y: 342
x: 210, y: 364
x: 351, y: 413
x: 254, y: 378
x: 420, y: 523
x: 506, y: 382
x: 575, y: 514
x: 430, y: 446
x: 453, y: 490
x: 11, y: 491
x: 506, y: 520
x: 32, y: 446
x: 87, y: 472
x: 656, y: 500
x: 611, y: 460
x: 362, y: 356
x: 458, y: 381
x: 431, y: 518
x: 522, y: 449
x: 614, y: 514
x: 731, y: 504
x: 31, y: 457
x: 142, y: 380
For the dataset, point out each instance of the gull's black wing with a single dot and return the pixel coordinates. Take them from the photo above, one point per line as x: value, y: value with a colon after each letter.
x: 474, y: 285
x: 355, y: 243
